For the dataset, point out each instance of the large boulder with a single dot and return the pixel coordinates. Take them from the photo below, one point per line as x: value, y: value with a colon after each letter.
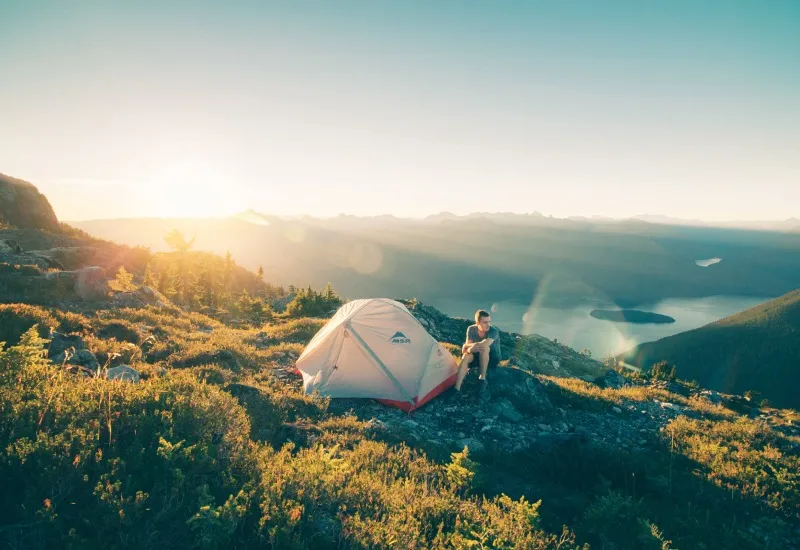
x: 91, y: 284
x: 521, y: 388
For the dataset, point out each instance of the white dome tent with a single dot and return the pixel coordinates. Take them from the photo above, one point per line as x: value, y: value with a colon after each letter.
x: 375, y: 348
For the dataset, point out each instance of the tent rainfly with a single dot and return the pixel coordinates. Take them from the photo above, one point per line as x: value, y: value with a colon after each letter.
x: 375, y: 348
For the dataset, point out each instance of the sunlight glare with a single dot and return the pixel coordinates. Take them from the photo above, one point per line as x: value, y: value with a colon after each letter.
x: 192, y: 188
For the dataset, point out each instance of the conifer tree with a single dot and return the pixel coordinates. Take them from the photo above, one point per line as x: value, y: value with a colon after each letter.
x: 150, y: 279
x: 124, y: 280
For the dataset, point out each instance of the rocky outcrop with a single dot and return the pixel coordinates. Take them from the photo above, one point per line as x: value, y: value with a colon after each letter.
x: 141, y: 297
x: 68, y: 257
x: 90, y: 283
x: 530, y: 352
x: 23, y: 206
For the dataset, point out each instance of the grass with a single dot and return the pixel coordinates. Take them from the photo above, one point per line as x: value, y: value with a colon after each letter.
x: 211, y: 449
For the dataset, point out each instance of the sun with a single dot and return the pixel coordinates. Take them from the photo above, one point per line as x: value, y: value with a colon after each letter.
x: 192, y: 189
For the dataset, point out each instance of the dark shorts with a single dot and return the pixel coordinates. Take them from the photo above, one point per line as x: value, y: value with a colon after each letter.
x: 493, y: 362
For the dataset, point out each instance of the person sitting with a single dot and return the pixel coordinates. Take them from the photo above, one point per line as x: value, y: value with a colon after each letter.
x: 483, y: 343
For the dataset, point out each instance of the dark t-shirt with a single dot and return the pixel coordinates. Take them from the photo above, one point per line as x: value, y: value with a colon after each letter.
x: 473, y: 336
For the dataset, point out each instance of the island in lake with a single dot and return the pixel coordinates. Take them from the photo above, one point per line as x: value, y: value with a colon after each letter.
x: 630, y: 316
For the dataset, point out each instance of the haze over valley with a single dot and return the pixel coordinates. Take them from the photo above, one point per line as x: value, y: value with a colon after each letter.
x: 540, y: 274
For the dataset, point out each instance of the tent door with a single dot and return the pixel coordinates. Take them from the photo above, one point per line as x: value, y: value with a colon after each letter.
x: 365, y: 347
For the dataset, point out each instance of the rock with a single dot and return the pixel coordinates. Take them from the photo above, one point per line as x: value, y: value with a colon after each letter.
x: 80, y: 357
x: 69, y: 257
x: 474, y: 445
x: 496, y: 432
x: 612, y: 379
x: 23, y: 206
x: 544, y: 427
x: 126, y: 299
x: 9, y: 247
x: 711, y: 395
x: 85, y: 358
x: 561, y: 426
x: 670, y: 406
x: 124, y: 373
x: 150, y: 296
x: 616, y: 410
x: 505, y: 410
x: 91, y: 284
x: 679, y: 389
x: 62, y: 342
x: 141, y: 297
x: 522, y: 389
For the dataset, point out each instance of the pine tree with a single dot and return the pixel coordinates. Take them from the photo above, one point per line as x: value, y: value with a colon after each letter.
x: 124, y: 280
x: 150, y: 278
x: 227, y: 272
x: 207, y: 290
x: 167, y: 281
x: 178, y: 242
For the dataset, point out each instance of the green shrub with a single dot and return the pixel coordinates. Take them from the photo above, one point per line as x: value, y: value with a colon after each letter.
x: 309, y: 303
x: 299, y: 331
x: 16, y: 319
x: 89, y: 461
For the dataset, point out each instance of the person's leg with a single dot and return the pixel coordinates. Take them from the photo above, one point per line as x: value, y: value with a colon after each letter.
x: 484, y: 363
x: 463, y: 367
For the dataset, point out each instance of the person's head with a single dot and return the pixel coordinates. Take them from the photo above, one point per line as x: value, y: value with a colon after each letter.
x: 483, y: 319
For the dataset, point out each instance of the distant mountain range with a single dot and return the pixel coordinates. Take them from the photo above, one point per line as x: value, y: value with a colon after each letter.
x: 756, y: 349
x: 489, y: 256
x: 537, y: 218
x: 790, y: 224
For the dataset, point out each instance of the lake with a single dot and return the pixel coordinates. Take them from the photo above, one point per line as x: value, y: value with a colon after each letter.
x: 577, y: 329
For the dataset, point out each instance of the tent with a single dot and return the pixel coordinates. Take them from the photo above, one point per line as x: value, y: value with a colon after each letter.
x: 376, y: 348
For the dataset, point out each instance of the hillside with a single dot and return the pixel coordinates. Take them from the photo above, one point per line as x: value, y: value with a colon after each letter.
x: 757, y: 349
x: 23, y: 206
x: 133, y: 418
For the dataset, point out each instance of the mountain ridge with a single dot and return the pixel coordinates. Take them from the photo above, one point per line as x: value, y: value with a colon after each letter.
x: 756, y: 349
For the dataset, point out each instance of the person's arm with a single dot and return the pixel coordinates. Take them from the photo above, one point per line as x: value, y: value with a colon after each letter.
x: 467, y: 347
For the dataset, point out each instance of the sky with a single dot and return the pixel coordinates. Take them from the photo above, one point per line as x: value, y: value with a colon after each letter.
x: 129, y: 109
